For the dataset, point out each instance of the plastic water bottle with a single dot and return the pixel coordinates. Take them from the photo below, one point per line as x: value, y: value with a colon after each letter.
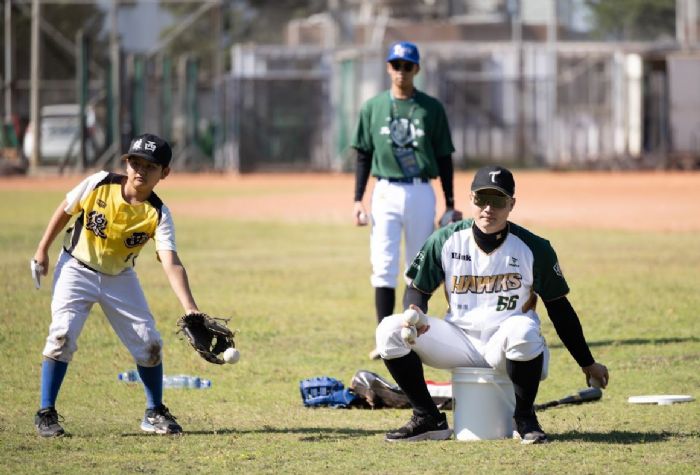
x: 177, y: 382
x: 131, y: 376
x: 185, y: 381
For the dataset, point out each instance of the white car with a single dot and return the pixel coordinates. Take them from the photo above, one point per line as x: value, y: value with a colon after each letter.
x: 60, y: 127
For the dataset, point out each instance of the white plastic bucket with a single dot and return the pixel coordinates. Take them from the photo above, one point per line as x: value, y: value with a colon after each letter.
x: 483, y: 403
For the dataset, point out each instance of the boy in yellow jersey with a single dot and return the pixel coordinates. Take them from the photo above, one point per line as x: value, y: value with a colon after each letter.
x: 116, y: 216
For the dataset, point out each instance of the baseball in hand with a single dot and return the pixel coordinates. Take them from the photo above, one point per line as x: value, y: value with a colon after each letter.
x: 231, y: 355
x: 411, y: 317
x: 409, y: 334
x: 414, y: 318
x: 362, y: 218
x: 595, y: 382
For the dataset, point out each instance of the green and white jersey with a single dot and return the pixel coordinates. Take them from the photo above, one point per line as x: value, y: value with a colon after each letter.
x: 484, y: 289
x: 419, y: 123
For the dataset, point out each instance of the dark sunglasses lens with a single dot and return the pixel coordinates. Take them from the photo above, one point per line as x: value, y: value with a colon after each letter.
x: 495, y: 201
x: 398, y: 66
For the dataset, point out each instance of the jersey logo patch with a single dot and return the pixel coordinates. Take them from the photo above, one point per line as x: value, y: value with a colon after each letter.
x: 97, y: 223
x: 402, y: 131
x: 486, y: 284
x: 557, y: 269
x: 136, y: 239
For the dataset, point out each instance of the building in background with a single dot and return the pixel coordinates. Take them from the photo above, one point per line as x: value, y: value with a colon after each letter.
x: 525, y: 82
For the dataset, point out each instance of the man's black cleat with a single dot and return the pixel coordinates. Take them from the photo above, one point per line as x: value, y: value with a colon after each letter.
x: 421, y: 428
x: 528, y: 430
x: 47, y: 424
x: 160, y: 421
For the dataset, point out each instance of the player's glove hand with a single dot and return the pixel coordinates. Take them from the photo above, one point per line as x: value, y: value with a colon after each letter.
x: 209, y: 336
x: 449, y: 216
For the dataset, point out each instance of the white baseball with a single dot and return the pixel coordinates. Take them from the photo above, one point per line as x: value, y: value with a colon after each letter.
x: 362, y: 218
x: 415, y: 317
x: 409, y: 334
x: 411, y: 316
x: 232, y: 355
x: 595, y: 382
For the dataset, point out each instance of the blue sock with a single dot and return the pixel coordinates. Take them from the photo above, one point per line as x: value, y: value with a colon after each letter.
x: 152, y: 378
x: 52, y: 374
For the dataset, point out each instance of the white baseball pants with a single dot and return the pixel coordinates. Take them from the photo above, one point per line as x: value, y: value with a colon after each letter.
x: 447, y: 346
x: 75, y: 290
x: 395, y: 206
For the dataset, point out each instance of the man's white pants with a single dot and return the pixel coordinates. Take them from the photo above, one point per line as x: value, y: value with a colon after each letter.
x: 77, y: 288
x: 446, y: 346
x: 397, y: 206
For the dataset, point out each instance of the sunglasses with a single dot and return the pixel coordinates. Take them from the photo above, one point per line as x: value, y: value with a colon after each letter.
x: 404, y: 66
x: 495, y: 201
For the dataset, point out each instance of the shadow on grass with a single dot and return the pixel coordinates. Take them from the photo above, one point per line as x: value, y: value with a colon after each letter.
x: 310, y: 434
x: 637, y: 341
x: 621, y: 437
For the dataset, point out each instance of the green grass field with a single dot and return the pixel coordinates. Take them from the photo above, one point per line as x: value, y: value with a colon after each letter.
x: 300, y: 296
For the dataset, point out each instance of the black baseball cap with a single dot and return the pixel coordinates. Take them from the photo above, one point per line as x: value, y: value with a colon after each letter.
x: 495, y: 178
x: 150, y: 147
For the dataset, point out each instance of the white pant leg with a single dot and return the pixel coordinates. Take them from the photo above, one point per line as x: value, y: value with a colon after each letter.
x: 126, y: 308
x: 419, y: 218
x: 75, y: 290
x: 518, y: 338
x: 443, y: 346
x: 385, y: 236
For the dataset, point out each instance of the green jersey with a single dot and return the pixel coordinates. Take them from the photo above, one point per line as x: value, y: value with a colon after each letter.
x: 418, y: 124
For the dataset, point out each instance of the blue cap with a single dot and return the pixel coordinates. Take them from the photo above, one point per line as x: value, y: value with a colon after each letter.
x: 405, y: 51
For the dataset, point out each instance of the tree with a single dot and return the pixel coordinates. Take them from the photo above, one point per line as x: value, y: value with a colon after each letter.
x: 631, y: 20
x: 261, y: 21
x: 66, y: 20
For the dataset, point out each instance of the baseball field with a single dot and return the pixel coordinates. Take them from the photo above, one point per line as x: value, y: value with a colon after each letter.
x: 279, y: 255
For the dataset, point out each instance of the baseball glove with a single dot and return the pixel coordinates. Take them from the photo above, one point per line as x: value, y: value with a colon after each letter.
x: 209, y: 336
x: 326, y: 391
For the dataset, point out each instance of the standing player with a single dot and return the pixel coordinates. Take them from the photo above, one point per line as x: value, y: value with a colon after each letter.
x: 116, y: 216
x: 493, y: 271
x: 403, y: 139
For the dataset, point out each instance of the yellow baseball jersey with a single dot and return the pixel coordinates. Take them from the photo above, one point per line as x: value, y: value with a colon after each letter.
x: 109, y: 233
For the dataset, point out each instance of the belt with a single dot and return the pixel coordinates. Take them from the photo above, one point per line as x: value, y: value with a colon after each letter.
x: 410, y: 181
x: 80, y: 262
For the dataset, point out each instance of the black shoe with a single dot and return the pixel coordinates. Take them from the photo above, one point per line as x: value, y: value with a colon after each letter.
x: 46, y: 423
x: 421, y: 428
x: 528, y: 430
x: 160, y: 421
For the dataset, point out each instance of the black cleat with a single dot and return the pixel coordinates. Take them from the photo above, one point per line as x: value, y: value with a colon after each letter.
x: 47, y: 424
x: 421, y: 428
x: 528, y: 430
x: 160, y: 421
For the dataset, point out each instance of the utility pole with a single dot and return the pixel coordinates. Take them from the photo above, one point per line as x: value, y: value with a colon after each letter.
x: 34, y: 115
x: 686, y: 23
x: 8, y: 61
x: 517, y: 38
x: 82, y: 78
x: 552, y: 26
x: 116, y: 145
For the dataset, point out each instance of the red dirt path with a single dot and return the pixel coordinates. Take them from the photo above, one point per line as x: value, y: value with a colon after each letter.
x: 594, y: 200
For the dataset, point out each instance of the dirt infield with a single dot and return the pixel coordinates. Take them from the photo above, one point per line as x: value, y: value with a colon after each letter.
x: 593, y: 200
